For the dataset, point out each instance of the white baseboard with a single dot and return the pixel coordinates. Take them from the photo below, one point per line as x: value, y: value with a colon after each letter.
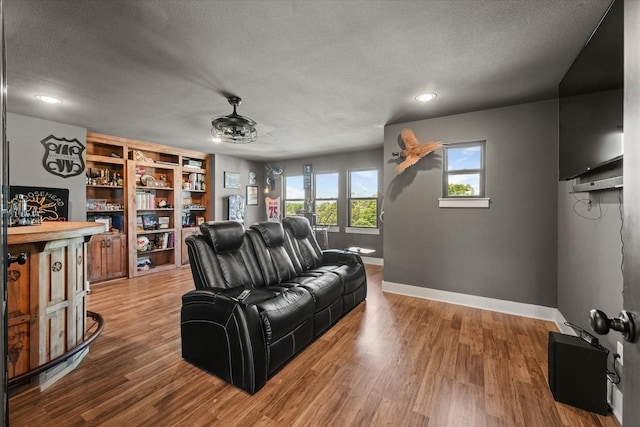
x: 615, y: 400
x: 491, y: 304
x: 373, y: 261
x: 502, y: 306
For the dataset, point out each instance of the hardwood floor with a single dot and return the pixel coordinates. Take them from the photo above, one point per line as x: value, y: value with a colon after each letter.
x: 393, y: 360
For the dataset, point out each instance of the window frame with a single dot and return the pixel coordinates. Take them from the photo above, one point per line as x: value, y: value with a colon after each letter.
x: 285, y: 200
x: 336, y: 199
x: 446, y: 173
x: 375, y: 198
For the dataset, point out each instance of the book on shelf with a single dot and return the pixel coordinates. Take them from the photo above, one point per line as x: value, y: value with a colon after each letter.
x: 192, y: 163
x: 145, y: 199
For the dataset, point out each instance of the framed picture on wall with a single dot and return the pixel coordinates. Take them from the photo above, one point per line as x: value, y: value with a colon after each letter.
x: 252, y: 194
x: 236, y: 208
x: 231, y: 180
x: 149, y: 222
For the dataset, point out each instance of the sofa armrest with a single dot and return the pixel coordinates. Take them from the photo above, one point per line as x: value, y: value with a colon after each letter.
x: 339, y: 257
x: 224, y: 336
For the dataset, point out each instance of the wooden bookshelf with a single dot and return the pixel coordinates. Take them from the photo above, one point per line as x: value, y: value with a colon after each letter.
x: 175, y: 191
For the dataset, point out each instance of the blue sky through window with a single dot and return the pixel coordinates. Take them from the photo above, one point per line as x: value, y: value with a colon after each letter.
x: 364, y: 183
x: 294, y: 188
x: 327, y: 186
x: 464, y: 158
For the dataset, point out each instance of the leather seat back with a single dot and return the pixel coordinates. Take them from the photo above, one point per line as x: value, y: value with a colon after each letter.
x: 304, y: 245
x: 222, y: 257
x: 268, y: 240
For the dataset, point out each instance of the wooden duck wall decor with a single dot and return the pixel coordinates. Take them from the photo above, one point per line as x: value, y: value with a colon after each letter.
x: 413, y: 150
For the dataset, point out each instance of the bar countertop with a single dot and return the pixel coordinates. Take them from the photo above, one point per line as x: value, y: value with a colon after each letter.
x: 50, y: 230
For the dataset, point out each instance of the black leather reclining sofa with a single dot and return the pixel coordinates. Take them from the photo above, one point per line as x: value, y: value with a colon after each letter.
x: 262, y: 295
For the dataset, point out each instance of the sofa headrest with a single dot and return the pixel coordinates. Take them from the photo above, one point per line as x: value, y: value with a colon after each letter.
x: 272, y: 232
x: 223, y: 235
x: 298, y: 225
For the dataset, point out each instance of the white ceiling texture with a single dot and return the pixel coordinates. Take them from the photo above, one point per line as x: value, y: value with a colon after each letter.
x: 318, y: 76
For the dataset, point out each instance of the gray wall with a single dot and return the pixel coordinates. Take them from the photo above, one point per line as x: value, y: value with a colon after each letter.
x: 589, y: 255
x: 342, y: 163
x: 25, y: 158
x: 220, y: 195
x: 508, y: 251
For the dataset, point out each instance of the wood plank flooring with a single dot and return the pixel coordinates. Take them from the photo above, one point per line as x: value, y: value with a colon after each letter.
x: 393, y: 360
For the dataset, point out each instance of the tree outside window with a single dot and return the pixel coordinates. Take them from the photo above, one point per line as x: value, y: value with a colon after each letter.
x: 326, y: 197
x: 363, y: 198
x: 293, y: 195
x: 464, y: 170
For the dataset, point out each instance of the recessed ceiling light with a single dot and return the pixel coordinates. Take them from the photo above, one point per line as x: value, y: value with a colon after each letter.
x: 216, y: 140
x: 48, y: 99
x: 425, y: 97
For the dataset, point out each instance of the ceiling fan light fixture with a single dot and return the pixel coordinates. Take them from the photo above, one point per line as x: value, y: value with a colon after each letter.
x: 234, y: 128
x: 426, y: 97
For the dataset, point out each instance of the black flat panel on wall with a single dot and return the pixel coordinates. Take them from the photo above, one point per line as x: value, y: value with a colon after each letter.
x: 591, y: 99
x: 51, y: 203
x: 578, y: 373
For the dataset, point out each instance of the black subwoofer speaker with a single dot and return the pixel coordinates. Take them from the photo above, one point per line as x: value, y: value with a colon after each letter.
x: 578, y: 373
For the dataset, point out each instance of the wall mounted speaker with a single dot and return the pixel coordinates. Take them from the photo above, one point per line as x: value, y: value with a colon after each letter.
x: 578, y: 373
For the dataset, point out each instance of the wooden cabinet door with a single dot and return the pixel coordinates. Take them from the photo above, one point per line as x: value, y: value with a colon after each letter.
x: 107, y: 257
x: 22, y: 312
x: 96, y: 258
x: 116, y: 256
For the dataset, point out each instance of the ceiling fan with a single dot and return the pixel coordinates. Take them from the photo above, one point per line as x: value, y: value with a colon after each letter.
x: 234, y: 128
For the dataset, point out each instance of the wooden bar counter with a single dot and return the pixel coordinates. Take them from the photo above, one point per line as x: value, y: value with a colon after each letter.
x: 46, y: 296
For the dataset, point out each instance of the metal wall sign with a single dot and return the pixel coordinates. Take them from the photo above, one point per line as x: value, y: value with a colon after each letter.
x: 62, y: 156
x: 306, y: 173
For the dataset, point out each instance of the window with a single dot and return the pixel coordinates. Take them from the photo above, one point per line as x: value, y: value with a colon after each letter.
x: 363, y: 198
x: 464, y: 170
x: 293, y: 195
x: 326, y: 197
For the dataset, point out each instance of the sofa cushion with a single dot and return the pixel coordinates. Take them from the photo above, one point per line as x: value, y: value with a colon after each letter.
x: 229, y: 261
x: 299, y: 226
x: 314, y: 261
x: 282, y: 314
x: 325, y: 289
x: 223, y: 235
x: 274, y: 260
x: 353, y: 276
x: 272, y: 233
x: 304, y: 246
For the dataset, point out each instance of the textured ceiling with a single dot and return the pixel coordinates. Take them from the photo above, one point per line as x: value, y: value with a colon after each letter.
x: 317, y: 76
